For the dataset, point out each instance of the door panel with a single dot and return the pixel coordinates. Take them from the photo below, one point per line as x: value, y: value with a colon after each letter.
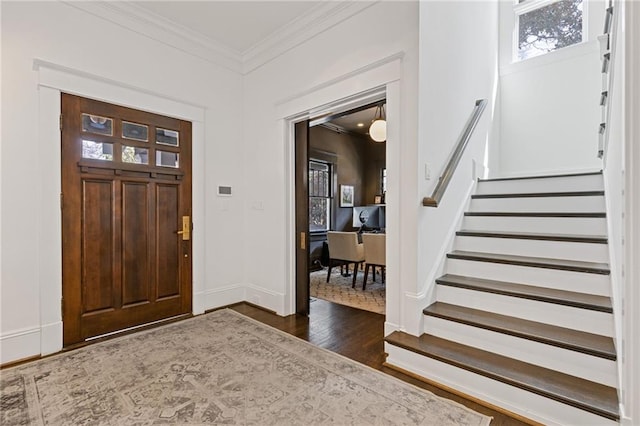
x: 168, y: 240
x: 126, y: 183
x: 302, y: 216
x: 98, y: 261
x: 136, y: 279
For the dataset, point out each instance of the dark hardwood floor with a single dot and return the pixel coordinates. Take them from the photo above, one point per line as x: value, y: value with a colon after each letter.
x: 357, y: 335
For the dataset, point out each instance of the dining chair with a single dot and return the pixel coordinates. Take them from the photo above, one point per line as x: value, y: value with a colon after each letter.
x: 374, y: 255
x: 344, y: 249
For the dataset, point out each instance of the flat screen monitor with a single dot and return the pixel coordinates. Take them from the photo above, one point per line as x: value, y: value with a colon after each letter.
x: 369, y: 216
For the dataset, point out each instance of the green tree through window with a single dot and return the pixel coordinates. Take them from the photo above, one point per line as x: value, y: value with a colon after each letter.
x: 549, y: 27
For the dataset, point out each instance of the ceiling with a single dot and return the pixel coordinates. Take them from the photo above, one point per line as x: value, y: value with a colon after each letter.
x: 238, y: 24
x: 350, y: 122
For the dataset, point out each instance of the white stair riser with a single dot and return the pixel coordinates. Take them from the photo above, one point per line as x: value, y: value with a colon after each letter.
x: 557, y: 184
x: 541, y: 225
x: 577, y: 364
x: 588, y: 252
x: 548, y: 313
x: 511, y: 398
x: 550, y: 278
x: 591, y: 204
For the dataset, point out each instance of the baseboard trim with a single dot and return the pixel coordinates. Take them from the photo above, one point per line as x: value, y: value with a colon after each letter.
x: 19, y: 345
x: 51, y: 338
x: 266, y: 298
x: 253, y: 305
x: 414, y: 302
x: 456, y: 392
x: 390, y: 327
x: 211, y: 299
x: 34, y: 343
x: 17, y: 362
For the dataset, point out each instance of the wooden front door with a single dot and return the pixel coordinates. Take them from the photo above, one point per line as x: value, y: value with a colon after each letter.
x: 126, y: 218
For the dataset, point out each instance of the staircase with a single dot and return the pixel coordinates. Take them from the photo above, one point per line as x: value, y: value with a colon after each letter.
x: 523, y: 317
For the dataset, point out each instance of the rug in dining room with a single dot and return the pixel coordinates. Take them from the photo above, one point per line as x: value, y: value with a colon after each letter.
x: 338, y: 290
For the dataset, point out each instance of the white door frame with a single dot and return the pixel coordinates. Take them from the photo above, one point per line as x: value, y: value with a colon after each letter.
x: 376, y: 81
x: 54, y: 79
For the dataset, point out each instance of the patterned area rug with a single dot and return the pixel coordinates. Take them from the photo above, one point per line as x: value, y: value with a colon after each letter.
x: 338, y: 290
x: 219, y: 368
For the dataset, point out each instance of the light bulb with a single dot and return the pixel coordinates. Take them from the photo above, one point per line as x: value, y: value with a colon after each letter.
x: 378, y: 130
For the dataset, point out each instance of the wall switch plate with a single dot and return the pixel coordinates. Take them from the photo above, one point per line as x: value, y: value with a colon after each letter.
x: 427, y: 171
x: 224, y: 191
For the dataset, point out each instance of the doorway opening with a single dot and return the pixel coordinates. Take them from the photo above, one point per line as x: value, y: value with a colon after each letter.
x: 343, y: 209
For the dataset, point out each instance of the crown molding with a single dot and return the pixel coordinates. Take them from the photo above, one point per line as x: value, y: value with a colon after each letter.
x: 316, y: 21
x: 139, y: 20
x: 160, y: 29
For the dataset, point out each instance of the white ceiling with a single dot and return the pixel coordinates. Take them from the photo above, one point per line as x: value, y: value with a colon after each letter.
x: 240, y: 25
x: 240, y: 35
x: 350, y: 122
x: 237, y: 24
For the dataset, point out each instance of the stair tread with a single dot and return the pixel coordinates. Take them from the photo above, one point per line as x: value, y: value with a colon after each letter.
x: 551, y: 295
x: 540, y: 194
x: 539, y: 262
x: 593, y: 397
x: 594, y: 173
x: 580, y: 341
x: 597, y: 239
x: 540, y: 214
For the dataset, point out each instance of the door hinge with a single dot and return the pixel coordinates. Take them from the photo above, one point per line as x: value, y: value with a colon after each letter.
x: 61, y: 308
x: 61, y: 201
x: 60, y: 122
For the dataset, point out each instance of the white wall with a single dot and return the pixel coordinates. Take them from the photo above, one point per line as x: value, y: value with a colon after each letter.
x: 330, y: 62
x: 631, y: 317
x: 622, y: 178
x: 546, y: 101
x: 613, y: 167
x: 453, y: 75
x: 1, y: 64
x: 240, y: 241
x: 93, y: 55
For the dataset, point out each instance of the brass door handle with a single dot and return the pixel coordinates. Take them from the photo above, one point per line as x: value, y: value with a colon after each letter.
x: 186, y: 229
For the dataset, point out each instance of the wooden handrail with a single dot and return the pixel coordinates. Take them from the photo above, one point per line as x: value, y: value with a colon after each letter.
x: 456, y: 155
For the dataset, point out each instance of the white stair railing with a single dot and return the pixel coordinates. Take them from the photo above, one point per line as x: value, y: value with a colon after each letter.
x: 607, y: 51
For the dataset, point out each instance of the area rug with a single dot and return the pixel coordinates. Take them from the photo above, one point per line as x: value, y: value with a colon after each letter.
x: 218, y: 368
x: 338, y: 290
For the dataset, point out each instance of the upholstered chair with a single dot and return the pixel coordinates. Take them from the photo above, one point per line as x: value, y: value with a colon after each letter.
x: 345, y: 249
x: 374, y: 255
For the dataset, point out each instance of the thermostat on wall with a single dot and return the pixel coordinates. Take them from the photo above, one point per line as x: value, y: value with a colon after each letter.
x: 224, y: 191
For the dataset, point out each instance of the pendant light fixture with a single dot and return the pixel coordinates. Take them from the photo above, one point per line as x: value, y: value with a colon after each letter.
x: 378, y: 128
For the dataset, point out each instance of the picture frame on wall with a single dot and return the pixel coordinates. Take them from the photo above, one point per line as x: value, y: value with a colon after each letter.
x: 346, y: 195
